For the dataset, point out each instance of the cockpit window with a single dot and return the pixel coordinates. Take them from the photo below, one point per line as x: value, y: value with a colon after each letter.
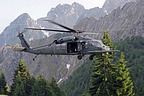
x: 97, y: 43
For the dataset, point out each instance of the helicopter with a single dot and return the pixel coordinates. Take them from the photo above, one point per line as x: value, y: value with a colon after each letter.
x: 68, y: 45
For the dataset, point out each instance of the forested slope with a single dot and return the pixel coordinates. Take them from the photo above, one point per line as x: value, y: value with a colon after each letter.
x: 134, y: 50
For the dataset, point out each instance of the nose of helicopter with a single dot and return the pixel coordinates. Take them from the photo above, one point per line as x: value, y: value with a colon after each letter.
x: 106, y: 47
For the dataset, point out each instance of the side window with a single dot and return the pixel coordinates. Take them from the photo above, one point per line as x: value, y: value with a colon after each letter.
x: 98, y: 44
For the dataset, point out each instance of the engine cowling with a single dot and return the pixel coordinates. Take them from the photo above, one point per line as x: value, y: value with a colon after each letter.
x: 66, y: 39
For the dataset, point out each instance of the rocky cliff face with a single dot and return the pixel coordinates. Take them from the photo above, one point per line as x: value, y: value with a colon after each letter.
x: 110, y: 5
x: 69, y: 15
x: 122, y: 22
x: 65, y: 14
x: 8, y: 62
x: 93, y: 12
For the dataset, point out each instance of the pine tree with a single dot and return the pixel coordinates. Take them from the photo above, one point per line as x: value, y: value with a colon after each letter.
x: 103, y: 74
x: 21, y: 78
x: 109, y: 79
x: 125, y: 83
x: 55, y: 89
x: 3, y: 84
x: 18, y: 89
x: 30, y: 84
x: 102, y: 77
x: 41, y: 88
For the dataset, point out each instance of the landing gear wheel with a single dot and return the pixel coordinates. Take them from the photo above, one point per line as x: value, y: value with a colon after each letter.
x: 91, y: 57
x: 79, y: 57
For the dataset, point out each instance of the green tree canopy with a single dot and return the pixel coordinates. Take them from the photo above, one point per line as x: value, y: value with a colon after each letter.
x: 41, y: 88
x: 21, y: 78
x: 3, y: 84
x: 55, y: 89
x: 105, y: 76
x: 125, y: 84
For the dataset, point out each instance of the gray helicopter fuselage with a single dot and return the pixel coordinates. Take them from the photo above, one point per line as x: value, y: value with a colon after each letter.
x: 84, y: 44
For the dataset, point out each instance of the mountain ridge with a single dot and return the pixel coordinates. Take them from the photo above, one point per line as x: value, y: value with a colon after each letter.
x: 110, y: 5
x: 8, y: 36
x: 121, y: 22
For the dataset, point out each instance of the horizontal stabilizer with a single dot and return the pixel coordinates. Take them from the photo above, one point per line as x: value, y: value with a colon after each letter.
x: 19, y: 48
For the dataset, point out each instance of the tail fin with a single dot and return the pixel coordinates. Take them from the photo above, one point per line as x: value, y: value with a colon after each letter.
x: 23, y: 41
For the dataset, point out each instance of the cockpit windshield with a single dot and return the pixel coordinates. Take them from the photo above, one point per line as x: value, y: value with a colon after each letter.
x: 97, y: 43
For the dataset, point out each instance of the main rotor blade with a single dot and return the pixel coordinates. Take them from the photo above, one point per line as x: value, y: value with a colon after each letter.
x: 72, y: 30
x: 89, y: 33
x: 50, y: 30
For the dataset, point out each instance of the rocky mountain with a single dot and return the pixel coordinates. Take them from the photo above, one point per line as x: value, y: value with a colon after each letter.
x: 93, y: 12
x: 122, y: 22
x: 9, y: 35
x: 110, y: 5
x: 69, y: 15
x: 65, y: 14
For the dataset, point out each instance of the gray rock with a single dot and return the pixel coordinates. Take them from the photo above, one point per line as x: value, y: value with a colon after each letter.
x: 110, y: 5
x: 122, y: 22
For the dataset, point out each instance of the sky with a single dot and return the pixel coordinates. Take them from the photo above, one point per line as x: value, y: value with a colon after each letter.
x: 11, y: 9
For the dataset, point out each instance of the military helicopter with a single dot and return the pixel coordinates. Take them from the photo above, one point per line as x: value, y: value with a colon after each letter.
x: 68, y: 45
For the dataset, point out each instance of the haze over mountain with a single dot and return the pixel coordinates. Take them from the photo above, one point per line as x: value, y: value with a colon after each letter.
x: 123, y: 22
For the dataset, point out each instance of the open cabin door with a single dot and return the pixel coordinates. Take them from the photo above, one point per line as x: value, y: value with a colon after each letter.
x: 72, y: 47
